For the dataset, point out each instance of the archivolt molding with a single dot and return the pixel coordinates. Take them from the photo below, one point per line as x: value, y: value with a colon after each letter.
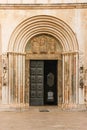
x: 42, y: 24
x: 18, y: 61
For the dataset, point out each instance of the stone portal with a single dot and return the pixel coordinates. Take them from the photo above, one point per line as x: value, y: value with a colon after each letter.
x: 49, y: 39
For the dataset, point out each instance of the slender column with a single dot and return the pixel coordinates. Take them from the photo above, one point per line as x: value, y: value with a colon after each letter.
x: 70, y: 78
x: 10, y: 78
x: 77, y: 79
x: 13, y: 89
x: 9, y: 73
x: 19, y: 78
x: 60, y: 89
x: 28, y: 82
x: 12, y: 92
x: 66, y: 84
x: 68, y: 74
x: 23, y: 78
x: 63, y: 79
x: 16, y: 79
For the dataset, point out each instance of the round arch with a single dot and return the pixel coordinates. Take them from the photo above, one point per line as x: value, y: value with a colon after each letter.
x: 42, y: 24
x: 17, y: 69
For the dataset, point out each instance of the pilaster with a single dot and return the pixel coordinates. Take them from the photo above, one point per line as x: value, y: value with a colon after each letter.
x: 70, y: 78
x: 16, y: 78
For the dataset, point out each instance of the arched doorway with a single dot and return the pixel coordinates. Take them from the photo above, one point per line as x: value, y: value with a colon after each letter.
x: 44, y: 67
x: 64, y: 52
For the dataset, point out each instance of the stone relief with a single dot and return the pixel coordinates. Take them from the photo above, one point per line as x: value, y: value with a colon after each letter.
x: 81, y: 69
x: 5, y: 69
x: 43, y: 44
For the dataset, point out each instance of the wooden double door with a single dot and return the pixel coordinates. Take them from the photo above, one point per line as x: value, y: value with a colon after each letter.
x: 43, y: 82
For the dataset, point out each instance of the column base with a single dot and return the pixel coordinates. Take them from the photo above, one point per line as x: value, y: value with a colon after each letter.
x: 14, y: 107
x: 77, y: 107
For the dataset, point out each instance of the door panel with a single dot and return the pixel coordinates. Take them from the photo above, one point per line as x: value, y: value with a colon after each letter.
x: 36, y: 82
x: 50, y: 82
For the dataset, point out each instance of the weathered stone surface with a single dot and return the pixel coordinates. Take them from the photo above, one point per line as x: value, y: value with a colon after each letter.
x: 43, y: 32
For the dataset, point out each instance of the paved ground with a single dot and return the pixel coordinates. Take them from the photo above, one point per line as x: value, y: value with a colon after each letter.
x: 36, y: 120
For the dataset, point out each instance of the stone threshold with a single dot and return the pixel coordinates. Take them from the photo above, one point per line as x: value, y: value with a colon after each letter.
x: 43, y: 6
x: 21, y: 108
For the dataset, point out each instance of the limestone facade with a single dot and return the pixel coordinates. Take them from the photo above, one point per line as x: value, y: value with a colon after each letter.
x: 43, y: 32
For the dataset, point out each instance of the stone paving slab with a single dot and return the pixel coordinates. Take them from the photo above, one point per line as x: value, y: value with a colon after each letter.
x: 47, y: 120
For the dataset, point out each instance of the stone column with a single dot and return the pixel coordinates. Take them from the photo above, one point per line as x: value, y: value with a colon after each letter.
x: 23, y: 63
x: 77, y: 77
x: 70, y: 78
x: 73, y: 78
x: 21, y: 77
x: 66, y: 79
x: 16, y: 78
x: 63, y: 78
x: 60, y: 89
x: 10, y: 78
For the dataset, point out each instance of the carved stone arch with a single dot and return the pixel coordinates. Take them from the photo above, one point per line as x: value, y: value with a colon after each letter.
x: 43, y: 24
x: 24, y: 32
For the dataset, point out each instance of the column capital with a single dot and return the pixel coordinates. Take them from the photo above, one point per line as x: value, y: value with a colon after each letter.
x: 70, y: 52
x: 16, y: 53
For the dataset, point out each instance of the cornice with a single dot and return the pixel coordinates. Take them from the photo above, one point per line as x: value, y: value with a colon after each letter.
x: 42, y: 6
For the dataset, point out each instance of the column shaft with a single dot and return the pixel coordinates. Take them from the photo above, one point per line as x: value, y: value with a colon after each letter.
x: 63, y: 78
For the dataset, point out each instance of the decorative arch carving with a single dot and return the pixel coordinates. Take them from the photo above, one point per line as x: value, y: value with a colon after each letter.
x: 42, y: 24
x: 43, y: 44
x: 35, y: 34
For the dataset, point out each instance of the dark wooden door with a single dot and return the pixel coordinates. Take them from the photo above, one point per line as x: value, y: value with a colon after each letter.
x: 43, y: 82
x: 50, y: 82
x: 36, y: 83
